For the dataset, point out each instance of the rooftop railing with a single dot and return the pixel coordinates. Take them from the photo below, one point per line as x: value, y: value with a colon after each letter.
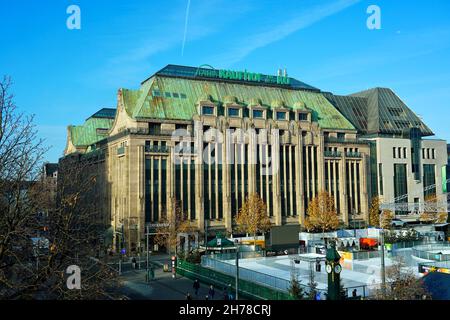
x: 332, y: 154
x: 353, y: 154
x: 157, y: 149
x: 345, y: 140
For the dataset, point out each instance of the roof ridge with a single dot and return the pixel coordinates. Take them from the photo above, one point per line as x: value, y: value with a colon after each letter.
x: 144, y: 89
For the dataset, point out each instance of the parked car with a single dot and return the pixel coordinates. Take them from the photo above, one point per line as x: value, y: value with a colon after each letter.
x: 397, y: 223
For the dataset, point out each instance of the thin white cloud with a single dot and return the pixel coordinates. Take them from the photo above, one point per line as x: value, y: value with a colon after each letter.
x: 265, y: 38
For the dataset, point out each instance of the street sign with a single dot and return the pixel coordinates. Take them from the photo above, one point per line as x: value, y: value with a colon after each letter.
x: 157, y: 225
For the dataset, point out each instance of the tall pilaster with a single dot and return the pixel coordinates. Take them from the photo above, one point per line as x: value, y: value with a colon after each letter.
x: 198, y: 143
x: 364, y: 174
x: 276, y: 190
x: 343, y: 189
x: 321, y: 163
x: 299, y: 181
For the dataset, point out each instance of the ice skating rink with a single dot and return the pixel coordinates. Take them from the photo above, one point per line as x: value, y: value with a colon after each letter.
x: 362, y: 275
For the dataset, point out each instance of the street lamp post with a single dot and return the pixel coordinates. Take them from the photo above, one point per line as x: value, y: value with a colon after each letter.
x: 383, y: 270
x: 237, y: 270
x: 206, y: 236
x: 146, y: 247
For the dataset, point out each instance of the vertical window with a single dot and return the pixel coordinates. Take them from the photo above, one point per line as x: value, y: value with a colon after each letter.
x: 400, y: 184
x: 429, y: 179
x: 394, y: 154
x: 380, y: 173
x: 154, y: 128
x: 404, y: 153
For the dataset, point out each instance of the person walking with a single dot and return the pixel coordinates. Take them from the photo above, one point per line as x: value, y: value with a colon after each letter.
x: 188, y: 296
x: 230, y: 292
x: 133, y: 263
x: 211, y: 292
x: 196, y: 286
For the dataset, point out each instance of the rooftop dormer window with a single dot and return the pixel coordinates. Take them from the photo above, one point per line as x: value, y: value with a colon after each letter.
x: 258, y: 114
x: 281, y: 115
x: 302, y: 116
x: 207, y: 110
x: 234, y: 112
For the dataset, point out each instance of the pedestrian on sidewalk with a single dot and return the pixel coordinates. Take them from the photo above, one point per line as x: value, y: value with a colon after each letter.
x: 211, y: 292
x: 133, y: 262
x: 196, y: 286
x: 230, y: 292
x: 206, y: 297
x: 188, y: 296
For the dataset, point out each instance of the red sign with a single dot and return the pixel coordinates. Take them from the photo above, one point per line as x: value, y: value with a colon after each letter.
x: 367, y: 243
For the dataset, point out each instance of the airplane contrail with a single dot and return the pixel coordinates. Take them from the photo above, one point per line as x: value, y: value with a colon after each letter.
x: 185, y: 27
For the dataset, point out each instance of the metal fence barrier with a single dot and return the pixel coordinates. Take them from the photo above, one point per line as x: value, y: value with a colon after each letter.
x: 425, y: 252
x: 251, y: 275
x: 222, y: 280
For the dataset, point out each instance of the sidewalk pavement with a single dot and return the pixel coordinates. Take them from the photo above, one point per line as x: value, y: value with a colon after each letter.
x: 164, y: 287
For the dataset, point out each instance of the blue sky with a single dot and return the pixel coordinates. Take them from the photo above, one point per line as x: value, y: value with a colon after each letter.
x: 63, y: 76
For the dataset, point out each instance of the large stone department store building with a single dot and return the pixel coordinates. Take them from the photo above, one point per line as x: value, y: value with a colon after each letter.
x: 207, y: 138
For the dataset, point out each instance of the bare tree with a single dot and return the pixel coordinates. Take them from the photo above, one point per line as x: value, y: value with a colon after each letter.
x: 21, y: 152
x: 402, y: 284
x: 35, y: 253
x: 170, y: 226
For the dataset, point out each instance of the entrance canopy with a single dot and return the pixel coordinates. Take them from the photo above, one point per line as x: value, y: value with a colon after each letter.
x: 219, y: 243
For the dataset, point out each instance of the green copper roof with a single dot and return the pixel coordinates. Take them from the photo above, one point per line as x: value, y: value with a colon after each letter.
x: 163, y: 97
x: 87, y: 134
